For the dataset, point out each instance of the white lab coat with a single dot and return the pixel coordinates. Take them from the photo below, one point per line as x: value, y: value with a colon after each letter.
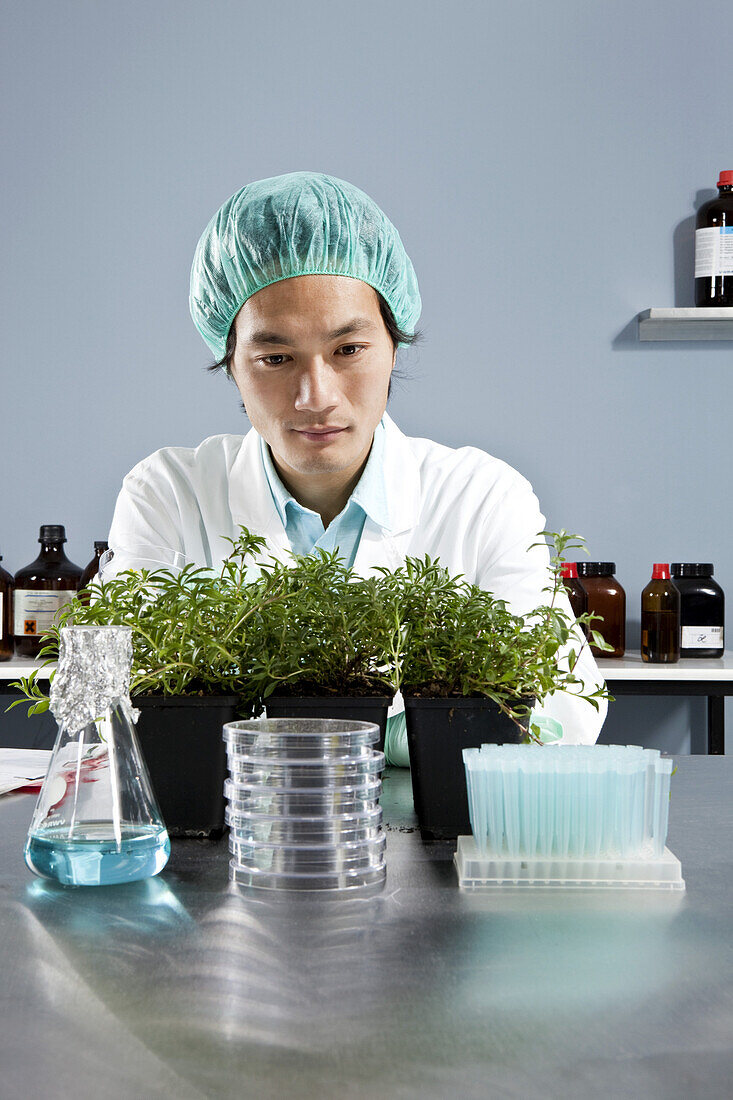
x: 474, y: 512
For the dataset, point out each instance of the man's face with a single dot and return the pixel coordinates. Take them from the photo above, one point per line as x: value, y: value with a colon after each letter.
x: 306, y: 379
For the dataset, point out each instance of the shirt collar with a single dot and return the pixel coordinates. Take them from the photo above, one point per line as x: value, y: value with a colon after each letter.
x: 370, y: 492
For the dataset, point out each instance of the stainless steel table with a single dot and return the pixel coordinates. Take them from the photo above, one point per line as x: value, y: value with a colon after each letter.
x: 185, y: 987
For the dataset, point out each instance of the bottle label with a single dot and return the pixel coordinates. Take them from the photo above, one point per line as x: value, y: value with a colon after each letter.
x: 702, y: 637
x: 34, y: 611
x: 714, y: 251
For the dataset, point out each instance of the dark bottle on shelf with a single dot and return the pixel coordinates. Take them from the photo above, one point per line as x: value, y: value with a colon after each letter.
x: 41, y: 588
x: 702, y: 610
x: 714, y: 247
x: 606, y: 597
x: 91, y: 570
x: 660, y: 617
x: 576, y: 593
x: 6, y: 614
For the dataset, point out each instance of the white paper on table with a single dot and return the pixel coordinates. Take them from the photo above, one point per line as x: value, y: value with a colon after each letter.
x: 18, y: 767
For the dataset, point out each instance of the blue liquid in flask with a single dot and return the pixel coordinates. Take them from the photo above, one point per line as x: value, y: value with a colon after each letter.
x: 96, y: 859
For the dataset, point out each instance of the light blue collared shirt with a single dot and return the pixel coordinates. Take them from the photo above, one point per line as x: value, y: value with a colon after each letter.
x: 306, y: 534
x: 304, y: 527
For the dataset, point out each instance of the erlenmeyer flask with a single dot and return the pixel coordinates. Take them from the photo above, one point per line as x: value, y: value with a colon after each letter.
x: 97, y: 821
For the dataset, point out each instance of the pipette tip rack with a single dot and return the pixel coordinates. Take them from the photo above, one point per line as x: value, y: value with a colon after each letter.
x: 567, y: 817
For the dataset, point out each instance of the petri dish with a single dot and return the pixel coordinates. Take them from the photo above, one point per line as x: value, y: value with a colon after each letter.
x: 307, y: 858
x: 335, y: 882
x: 306, y: 802
x: 291, y: 829
x: 294, y: 738
x: 301, y: 773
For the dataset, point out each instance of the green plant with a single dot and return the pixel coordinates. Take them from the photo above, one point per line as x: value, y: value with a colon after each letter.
x: 193, y: 632
x: 449, y: 637
x: 327, y: 637
x: 310, y: 625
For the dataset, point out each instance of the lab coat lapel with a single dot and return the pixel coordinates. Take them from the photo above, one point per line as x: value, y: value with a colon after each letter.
x: 388, y: 546
x: 376, y: 547
x: 250, y: 499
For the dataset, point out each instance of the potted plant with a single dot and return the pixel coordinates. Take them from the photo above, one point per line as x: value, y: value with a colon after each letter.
x: 192, y: 633
x: 319, y: 646
x: 470, y: 672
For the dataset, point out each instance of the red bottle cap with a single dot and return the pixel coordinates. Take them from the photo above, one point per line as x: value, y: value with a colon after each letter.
x: 568, y: 570
x: 725, y: 179
x: 660, y: 571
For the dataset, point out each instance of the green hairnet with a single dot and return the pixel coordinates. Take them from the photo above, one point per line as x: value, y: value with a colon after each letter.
x: 301, y: 223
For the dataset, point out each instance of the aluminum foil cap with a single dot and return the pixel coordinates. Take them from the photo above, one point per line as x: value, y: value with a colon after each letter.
x: 93, y: 673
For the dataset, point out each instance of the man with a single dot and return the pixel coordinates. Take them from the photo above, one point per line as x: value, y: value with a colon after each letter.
x: 303, y: 291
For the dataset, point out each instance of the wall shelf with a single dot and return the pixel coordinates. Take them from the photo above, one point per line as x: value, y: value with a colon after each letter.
x: 690, y: 323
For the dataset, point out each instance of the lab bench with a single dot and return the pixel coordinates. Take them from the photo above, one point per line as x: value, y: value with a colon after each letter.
x: 712, y: 677
x: 628, y: 675
x: 186, y: 986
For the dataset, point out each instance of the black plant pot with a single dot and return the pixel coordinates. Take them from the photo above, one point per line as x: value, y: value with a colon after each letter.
x: 181, y: 740
x: 359, y: 708
x: 437, y: 732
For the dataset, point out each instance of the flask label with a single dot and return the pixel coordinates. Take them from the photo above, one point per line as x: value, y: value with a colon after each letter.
x: 34, y: 611
x: 702, y: 637
x: 714, y: 251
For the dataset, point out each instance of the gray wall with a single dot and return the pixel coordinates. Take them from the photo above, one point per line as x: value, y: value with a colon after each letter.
x: 542, y: 162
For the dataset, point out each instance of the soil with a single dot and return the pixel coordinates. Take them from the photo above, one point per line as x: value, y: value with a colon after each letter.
x: 437, y: 691
x: 306, y: 690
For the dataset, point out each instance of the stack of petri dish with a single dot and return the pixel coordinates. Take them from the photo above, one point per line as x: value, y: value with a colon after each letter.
x: 303, y: 804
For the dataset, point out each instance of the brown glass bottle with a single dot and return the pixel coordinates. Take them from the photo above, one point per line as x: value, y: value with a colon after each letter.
x: 91, y: 570
x: 714, y: 247
x: 34, y: 605
x: 576, y: 593
x: 6, y: 614
x: 660, y: 618
x: 606, y: 597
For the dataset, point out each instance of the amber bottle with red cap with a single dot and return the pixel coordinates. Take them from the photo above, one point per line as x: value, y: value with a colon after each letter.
x: 714, y: 247
x: 576, y: 593
x: 607, y: 599
x: 660, y: 617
